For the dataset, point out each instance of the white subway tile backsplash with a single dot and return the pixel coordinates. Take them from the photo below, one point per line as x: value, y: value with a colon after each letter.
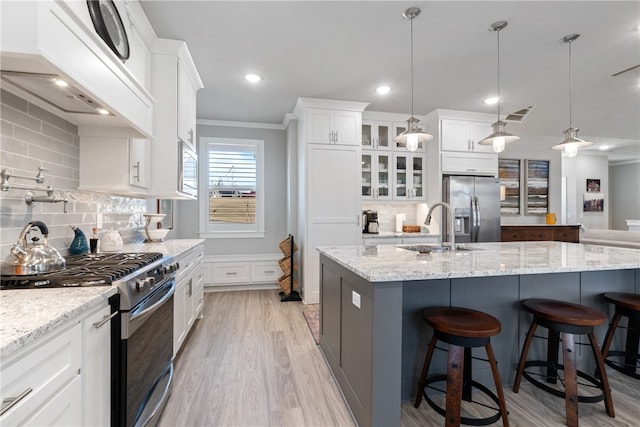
x: 55, y: 146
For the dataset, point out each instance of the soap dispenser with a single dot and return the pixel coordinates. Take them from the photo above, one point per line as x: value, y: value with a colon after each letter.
x: 79, y: 244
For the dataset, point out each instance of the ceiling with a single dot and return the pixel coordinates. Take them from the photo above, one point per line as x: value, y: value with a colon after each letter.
x: 345, y: 49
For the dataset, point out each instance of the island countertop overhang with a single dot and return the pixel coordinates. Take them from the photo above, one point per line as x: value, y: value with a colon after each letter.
x: 387, y: 263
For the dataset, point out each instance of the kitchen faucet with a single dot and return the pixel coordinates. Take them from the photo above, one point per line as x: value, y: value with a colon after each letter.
x: 445, y: 206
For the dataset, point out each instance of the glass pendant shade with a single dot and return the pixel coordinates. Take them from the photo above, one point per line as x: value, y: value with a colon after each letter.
x: 413, y: 136
x: 571, y: 143
x: 499, y: 138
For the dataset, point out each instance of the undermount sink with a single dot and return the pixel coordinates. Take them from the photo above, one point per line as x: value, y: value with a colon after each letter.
x: 425, y: 249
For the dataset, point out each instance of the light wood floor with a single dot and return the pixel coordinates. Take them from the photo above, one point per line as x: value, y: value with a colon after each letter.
x: 252, y: 362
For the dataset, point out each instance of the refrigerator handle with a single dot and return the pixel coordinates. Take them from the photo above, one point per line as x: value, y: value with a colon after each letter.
x: 476, y: 217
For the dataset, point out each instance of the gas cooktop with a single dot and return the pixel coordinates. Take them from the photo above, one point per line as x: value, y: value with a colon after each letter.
x: 85, y: 270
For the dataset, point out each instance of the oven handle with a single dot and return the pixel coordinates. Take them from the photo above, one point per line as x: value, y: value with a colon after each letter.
x: 161, y: 401
x: 156, y: 305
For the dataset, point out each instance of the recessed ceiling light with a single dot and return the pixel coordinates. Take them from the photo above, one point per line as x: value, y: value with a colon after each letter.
x: 606, y: 147
x: 253, y: 78
x: 60, y: 82
x: 103, y: 111
x: 492, y: 100
x: 383, y: 90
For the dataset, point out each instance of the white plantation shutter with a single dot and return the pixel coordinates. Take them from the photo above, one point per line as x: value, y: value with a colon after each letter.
x: 234, y: 170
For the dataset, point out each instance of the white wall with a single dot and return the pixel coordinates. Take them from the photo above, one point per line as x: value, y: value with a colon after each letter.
x: 624, y: 194
x: 275, y: 202
x: 535, y: 148
x: 592, y: 167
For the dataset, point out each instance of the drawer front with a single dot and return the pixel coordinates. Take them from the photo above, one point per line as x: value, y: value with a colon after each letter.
x: 189, y: 261
x: 571, y: 235
x: 44, y: 370
x: 231, y: 272
x: 539, y: 234
x: 265, y: 271
x: 485, y: 164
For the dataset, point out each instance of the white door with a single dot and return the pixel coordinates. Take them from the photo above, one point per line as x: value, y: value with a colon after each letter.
x: 348, y: 127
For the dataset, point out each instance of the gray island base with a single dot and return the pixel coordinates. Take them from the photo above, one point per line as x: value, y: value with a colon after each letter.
x: 371, y: 300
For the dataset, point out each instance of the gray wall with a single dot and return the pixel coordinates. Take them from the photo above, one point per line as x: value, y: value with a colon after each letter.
x: 624, y: 199
x: 32, y: 136
x: 187, y: 215
x: 592, y: 167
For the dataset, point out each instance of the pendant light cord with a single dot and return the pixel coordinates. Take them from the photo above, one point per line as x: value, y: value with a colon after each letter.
x: 570, y: 89
x: 411, y: 65
x: 499, y: 100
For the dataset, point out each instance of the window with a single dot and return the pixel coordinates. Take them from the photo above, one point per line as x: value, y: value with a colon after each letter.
x: 232, y: 177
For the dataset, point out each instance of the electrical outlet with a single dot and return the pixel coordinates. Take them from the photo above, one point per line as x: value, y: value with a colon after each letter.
x: 355, y: 298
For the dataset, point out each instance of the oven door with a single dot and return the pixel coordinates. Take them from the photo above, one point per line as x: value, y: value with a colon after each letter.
x: 147, y: 338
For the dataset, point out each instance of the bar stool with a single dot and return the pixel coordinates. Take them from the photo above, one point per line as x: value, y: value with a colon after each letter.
x: 564, y: 320
x: 626, y: 305
x: 462, y: 329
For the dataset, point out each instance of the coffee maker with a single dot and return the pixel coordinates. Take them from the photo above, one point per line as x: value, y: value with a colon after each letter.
x: 370, y: 222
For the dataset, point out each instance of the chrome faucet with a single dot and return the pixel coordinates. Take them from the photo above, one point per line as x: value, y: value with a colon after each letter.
x: 445, y: 206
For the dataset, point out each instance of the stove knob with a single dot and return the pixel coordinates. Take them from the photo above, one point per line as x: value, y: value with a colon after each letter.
x: 140, y: 285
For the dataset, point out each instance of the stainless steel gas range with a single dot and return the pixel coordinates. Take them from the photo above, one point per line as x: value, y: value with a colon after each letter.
x: 141, y: 329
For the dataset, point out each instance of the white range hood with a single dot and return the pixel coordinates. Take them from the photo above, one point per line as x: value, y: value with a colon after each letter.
x: 43, y: 40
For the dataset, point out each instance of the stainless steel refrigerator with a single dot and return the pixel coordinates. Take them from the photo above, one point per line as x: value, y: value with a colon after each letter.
x: 475, y: 203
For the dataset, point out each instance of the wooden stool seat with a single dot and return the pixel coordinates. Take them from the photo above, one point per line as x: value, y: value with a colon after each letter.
x: 627, y: 305
x: 461, y: 322
x: 463, y: 329
x: 564, y: 312
x: 564, y: 320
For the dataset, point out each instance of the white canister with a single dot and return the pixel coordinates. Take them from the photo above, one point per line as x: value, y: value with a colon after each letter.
x: 111, y: 241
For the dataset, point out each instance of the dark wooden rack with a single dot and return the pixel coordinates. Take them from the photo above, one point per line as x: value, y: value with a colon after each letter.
x: 288, y: 265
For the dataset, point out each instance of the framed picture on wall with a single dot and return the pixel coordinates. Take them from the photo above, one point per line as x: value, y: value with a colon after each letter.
x: 537, y: 187
x: 509, y: 174
x: 593, y: 202
x: 165, y: 206
x: 593, y: 185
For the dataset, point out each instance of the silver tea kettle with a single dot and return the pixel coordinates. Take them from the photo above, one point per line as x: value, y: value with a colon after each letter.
x: 34, y: 257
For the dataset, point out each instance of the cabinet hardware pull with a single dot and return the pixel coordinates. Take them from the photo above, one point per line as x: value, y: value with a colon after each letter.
x: 337, y: 136
x: 10, y: 402
x: 190, y: 135
x: 269, y: 272
x: 104, y: 320
x: 231, y: 273
x: 137, y: 176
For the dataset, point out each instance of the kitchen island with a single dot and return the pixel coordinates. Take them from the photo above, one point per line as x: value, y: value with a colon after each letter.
x: 371, y: 299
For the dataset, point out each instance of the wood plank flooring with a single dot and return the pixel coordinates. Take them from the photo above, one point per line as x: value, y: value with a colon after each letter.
x: 251, y: 361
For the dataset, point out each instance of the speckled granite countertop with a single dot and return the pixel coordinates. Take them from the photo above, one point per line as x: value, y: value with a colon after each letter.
x: 383, y: 263
x: 388, y: 234
x: 29, y: 314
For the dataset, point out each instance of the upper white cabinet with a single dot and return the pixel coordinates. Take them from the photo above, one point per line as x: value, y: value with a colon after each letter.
x: 174, y: 83
x: 377, y: 135
x: 409, y: 176
x: 376, y: 175
x: 112, y: 163
x: 464, y: 135
x: 332, y: 126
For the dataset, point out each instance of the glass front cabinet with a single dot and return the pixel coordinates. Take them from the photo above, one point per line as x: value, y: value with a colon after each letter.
x: 376, y: 176
x: 377, y: 135
x: 408, y: 180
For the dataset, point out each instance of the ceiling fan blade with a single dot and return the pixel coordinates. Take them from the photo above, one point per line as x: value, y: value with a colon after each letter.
x: 624, y: 71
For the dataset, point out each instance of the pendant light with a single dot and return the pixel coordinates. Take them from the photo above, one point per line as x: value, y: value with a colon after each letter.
x: 413, y: 136
x: 499, y: 137
x: 571, y: 142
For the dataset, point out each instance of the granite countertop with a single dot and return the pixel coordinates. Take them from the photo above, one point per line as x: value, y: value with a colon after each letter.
x: 29, y: 314
x: 383, y: 263
x: 388, y: 234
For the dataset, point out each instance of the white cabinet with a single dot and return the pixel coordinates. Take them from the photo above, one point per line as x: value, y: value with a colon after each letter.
x: 114, y: 164
x: 376, y: 175
x: 377, y: 135
x: 63, y: 378
x: 186, y: 106
x: 96, y: 363
x: 189, y: 295
x: 174, y: 84
x: 408, y: 176
x: 469, y: 163
x: 418, y: 239
x: 464, y: 135
x: 326, y: 126
x: 227, y: 271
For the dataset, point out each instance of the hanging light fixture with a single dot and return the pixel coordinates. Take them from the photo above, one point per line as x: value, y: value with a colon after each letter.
x: 499, y: 137
x: 571, y: 142
x: 413, y: 136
